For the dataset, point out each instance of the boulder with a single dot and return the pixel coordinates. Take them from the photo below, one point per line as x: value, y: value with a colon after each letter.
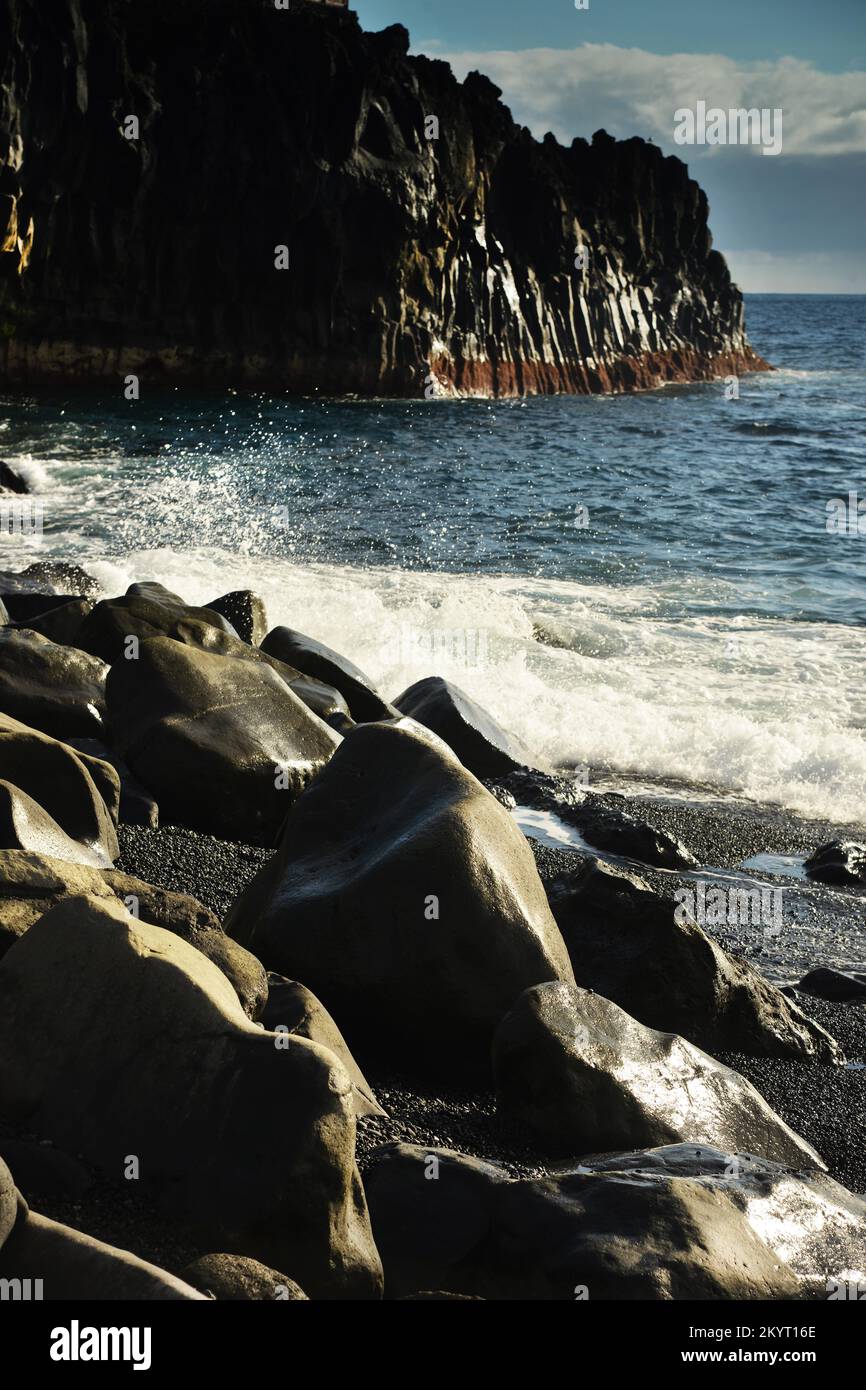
x: 121, y: 1041
x: 237, y: 1279
x: 322, y: 699
x: 136, y: 805
x: 625, y: 943
x: 25, y: 825
x: 291, y: 1006
x: 677, y: 1222
x: 70, y: 789
x: 835, y: 985
x: 31, y: 884
x: 587, y: 1078
x: 246, y: 613
x: 146, y: 610
x: 479, y: 742
x: 57, y: 689
x: 62, y: 623
x: 10, y: 480
x: 29, y: 606
x: 52, y: 577
x: 318, y: 661
x: 407, y: 899
x: 841, y: 862
x: 223, y: 744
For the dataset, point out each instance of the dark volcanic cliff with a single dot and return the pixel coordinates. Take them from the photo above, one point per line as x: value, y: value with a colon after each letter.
x: 409, y: 258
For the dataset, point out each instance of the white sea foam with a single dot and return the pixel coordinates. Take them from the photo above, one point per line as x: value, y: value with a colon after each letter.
x: 768, y: 709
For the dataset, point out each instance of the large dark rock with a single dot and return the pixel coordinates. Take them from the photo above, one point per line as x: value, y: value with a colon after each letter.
x: 585, y: 1077
x: 479, y: 742
x: 62, y: 622
x: 407, y: 899
x: 379, y: 220
x: 322, y: 699
x: 625, y: 943
x: 137, y: 806
x: 78, y: 794
x: 836, y: 985
x: 57, y: 689
x: 118, y: 1039
x: 31, y: 884
x: 316, y: 660
x: 10, y: 480
x: 48, y: 578
x: 146, y: 610
x: 841, y: 862
x: 677, y: 1222
x: 294, y: 1008
x: 246, y: 613
x: 223, y: 744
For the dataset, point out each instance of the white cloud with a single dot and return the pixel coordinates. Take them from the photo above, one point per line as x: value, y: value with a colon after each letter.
x: 629, y: 91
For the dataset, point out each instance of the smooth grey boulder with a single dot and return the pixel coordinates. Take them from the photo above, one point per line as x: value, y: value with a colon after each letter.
x: 625, y: 943
x: 55, y: 578
x: 146, y: 610
x: 293, y: 1007
x: 322, y: 699
x: 25, y: 825
x: 31, y: 884
x: 246, y: 613
x: 481, y: 744
x: 28, y: 605
x: 320, y: 662
x: 836, y: 985
x: 224, y: 745
x: 407, y: 899
x: 585, y: 1077
x: 119, y: 1039
x: 57, y: 689
x: 62, y: 623
x: 678, y: 1222
x: 78, y: 793
x: 136, y: 805
x: 841, y: 862
x: 238, y: 1279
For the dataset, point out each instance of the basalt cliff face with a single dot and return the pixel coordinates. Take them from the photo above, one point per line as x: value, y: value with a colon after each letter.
x: 424, y: 255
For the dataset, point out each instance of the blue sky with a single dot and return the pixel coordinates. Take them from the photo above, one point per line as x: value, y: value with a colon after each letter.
x: 792, y: 222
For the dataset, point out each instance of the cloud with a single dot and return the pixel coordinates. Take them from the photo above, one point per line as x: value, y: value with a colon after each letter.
x: 630, y: 91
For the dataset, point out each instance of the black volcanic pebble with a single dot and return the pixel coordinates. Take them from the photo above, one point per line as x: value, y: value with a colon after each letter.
x: 467, y: 1123
x: 212, y: 870
x: 826, y: 1105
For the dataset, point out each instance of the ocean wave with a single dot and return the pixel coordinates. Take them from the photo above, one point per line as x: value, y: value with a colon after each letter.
x: 770, y: 710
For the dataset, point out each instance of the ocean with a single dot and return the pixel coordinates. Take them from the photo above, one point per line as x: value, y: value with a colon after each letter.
x: 642, y: 587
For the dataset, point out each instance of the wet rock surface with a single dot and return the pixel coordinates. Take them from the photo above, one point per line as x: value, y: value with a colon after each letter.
x: 587, y: 1078
x: 403, y: 894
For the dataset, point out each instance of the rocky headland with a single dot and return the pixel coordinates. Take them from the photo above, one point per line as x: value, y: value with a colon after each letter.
x: 290, y: 1007
x: 222, y: 193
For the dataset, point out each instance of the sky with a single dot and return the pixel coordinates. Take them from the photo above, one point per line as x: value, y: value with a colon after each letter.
x: 793, y: 222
